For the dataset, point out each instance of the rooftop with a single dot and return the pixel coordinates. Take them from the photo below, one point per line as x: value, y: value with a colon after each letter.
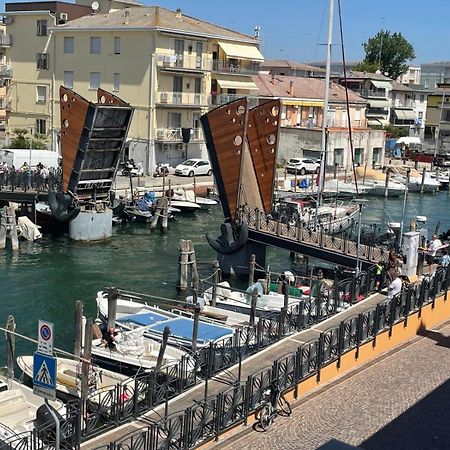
x: 303, y: 88
x: 155, y: 17
x: 286, y: 63
x: 367, y: 76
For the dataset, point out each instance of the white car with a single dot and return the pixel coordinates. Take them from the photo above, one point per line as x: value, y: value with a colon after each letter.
x: 194, y: 166
x: 302, y: 166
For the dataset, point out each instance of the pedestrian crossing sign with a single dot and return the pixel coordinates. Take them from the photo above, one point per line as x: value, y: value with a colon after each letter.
x: 44, y: 375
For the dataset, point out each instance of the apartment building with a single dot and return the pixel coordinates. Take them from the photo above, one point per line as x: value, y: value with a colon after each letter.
x: 438, y: 117
x: 5, y: 76
x: 170, y: 67
x: 435, y: 73
x: 302, y: 101
x: 289, y: 68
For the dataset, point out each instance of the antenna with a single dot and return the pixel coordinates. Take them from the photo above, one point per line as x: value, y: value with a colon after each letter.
x: 95, y: 6
x: 257, y: 30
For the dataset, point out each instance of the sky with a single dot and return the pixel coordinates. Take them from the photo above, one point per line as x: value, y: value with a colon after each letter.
x: 297, y: 29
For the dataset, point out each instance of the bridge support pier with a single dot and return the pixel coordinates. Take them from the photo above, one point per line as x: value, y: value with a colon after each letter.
x: 238, y: 263
x: 91, y: 225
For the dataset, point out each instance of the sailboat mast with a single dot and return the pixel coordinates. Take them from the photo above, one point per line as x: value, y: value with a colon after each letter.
x: 325, y: 104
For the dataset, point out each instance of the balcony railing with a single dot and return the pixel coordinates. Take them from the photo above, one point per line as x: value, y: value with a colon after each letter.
x: 221, y: 99
x: 180, y: 98
x: 194, y: 62
x: 376, y: 112
x: 174, y: 134
x: 371, y: 93
x: 5, y: 40
x: 313, y: 124
x: 5, y: 103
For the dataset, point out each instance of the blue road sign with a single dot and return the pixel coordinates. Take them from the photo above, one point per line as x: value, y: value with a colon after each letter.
x: 44, y: 372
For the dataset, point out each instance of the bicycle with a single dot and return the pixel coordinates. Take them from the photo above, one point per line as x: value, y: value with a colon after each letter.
x: 275, y: 404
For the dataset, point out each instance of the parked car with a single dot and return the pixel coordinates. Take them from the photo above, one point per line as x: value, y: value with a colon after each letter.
x: 194, y: 166
x: 302, y: 166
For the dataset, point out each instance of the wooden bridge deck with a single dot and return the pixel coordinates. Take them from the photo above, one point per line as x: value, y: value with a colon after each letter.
x: 223, y: 381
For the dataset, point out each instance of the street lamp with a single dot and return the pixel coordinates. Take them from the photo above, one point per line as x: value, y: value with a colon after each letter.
x: 358, y: 242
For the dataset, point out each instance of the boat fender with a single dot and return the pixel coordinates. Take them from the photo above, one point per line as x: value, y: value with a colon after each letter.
x: 118, y: 209
x: 228, y: 242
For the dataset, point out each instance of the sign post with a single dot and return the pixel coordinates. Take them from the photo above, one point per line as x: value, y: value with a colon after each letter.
x: 45, y: 372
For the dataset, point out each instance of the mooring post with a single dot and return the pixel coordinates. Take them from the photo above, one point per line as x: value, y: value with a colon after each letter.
x: 216, y: 278
x: 183, y: 263
x: 193, y: 264
x: 162, y: 348
x: 286, y: 294
x: 424, y: 172
x: 196, y: 320
x: 252, y: 265
x: 164, y: 213
x: 78, y: 327
x: 10, y: 346
x: 86, y: 362
x: 253, y: 307
x: 386, y: 183
x: 113, y: 295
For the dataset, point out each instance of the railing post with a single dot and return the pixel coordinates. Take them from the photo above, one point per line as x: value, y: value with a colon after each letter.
x: 257, y: 219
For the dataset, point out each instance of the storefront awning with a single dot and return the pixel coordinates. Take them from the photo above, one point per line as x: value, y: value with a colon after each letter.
x: 301, y: 103
x: 241, y: 51
x: 236, y: 83
x: 405, y: 114
x: 384, y: 122
x: 378, y: 123
x: 382, y: 84
x: 379, y: 104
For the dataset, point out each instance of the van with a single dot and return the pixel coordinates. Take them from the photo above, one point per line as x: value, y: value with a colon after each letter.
x: 16, y: 157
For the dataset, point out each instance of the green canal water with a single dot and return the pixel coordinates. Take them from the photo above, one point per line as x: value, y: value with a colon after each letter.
x: 44, y: 279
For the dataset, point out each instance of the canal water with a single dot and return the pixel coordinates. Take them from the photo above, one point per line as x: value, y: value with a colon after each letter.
x: 45, y: 278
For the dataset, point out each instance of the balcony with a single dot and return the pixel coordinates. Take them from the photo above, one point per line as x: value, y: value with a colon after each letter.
x: 234, y: 67
x: 221, y: 99
x: 5, y: 40
x: 5, y: 104
x: 181, y: 99
x: 182, y: 62
x: 372, y: 93
x: 174, y: 134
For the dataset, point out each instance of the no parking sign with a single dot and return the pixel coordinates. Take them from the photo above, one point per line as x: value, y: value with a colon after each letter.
x: 45, y: 338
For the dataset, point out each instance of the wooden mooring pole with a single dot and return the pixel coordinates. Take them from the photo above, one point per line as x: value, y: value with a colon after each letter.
x: 196, y: 320
x: 252, y: 266
x: 183, y: 265
x: 423, y: 180
x: 113, y: 295
x: 85, y: 364
x: 162, y: 348
x: 253, y: 307
x: 216, y: 281
x: 78, y: 327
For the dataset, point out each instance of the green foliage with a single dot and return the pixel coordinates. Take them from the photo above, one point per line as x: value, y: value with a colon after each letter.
x: 390, y: 52
x: 395, y: 132
x: 364, y: 66
x: 21, y: 139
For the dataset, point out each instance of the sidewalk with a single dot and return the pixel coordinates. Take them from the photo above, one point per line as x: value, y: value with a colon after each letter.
x: 398, y: 401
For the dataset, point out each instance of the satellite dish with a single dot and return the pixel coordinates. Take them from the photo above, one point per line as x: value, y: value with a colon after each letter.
x: 95, y: 6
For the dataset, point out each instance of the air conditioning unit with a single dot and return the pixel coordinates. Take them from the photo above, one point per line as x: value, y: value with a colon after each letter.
x: 164, y: 97
x: 8, y: 20
x: 63, y: 17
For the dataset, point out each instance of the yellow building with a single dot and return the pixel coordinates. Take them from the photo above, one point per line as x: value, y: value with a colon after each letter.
x: 170, y: 67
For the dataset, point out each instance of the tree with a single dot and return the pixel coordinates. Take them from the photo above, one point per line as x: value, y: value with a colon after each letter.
x: 366, y: 67
x: 390, y: 52
x: 21, y: 140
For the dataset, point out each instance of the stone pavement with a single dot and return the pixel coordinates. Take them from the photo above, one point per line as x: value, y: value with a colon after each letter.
x: 399, y: 401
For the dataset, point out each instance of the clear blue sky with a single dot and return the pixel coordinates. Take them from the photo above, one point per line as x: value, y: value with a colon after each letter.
x: 296, y: 29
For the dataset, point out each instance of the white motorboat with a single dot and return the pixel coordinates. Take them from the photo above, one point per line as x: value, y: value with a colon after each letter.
x: 368, y: 187
x: 21, y: 411
x: 132, y: 353
x: 132, y: 315
x: 190, y: 196
x: 430, y: 184
x: 68, y: 378
x: 185, y: 205
x: 342, y: 188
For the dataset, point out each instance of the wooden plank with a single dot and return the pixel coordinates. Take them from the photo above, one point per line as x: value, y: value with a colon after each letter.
x: 262, y: 136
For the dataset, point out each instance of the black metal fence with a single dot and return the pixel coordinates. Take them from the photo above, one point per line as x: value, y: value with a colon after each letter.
x: 36, y: 181
x: 206, y: 419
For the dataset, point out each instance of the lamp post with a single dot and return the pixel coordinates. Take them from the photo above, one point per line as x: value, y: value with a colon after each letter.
x: 358, y: 242
x: 29, y: 165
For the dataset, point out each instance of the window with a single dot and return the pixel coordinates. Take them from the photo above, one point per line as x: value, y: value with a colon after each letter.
x: 339, y: 156
x: 116, y: 82
x: 68, y: 44
x: 117, y: 45
x: 41, y: 93
x: 174, y: 120
x: 68, y: 79
x: 177, y: 89
x: 42, y: 60
x: 198, y: 54
x: 376, y: 155
x: 96, y: 45
x: 179, y: 52
x: 94, y: 80
x: 359, y: 155
x: 41, y: 28
x: 40, y: 126
x: 422, y: 98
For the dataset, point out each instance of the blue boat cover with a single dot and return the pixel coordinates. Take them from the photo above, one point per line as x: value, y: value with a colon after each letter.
x: 180, y: 327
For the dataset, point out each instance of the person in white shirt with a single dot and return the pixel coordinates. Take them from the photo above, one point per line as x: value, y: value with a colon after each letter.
x: 395, y: 287
x: 434, y: 246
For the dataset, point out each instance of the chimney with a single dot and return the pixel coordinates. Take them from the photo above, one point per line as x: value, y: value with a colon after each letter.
x: 126, y: 15
x: 178, y: 13
x: 291, y: 88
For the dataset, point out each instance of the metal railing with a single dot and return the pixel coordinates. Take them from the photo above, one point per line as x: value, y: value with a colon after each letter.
x: 17, y: 180
x: 5, y: 71
x: 224, y: 66
x: 5, y: 40
x: 174, y: 134
x: 221, y: 99
x: 205, y: 420
x: 180, y: 98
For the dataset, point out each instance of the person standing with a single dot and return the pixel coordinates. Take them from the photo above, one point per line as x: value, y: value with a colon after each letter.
x: 396, y: 285
x: 445, y: 261
x: 433, y: 247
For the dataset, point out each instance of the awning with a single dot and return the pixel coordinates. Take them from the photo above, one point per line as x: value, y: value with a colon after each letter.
x: 373, y: 123
x: 241, y: 51
x: 382, y: 84
x: 236, y: 83
x: 379, y: 104
x: 405, y: 114
x: 301, y: 103
x: 384, y: 122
